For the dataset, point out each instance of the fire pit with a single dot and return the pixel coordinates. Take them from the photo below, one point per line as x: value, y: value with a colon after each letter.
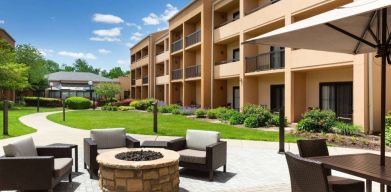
x: 139, y: 170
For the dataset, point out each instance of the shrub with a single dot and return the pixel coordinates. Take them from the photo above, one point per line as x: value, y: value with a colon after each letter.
x: 77, y: 103
x: 11, y: 105
x: 142, y: 104
x: 251, y: 122
x: 388, y: 135
x: 275, y: 120
x: 164, y: 109
x: 125, y: 108
x: 125, y: 102
x: 211, y: 114
x: 317, y: 121
x: 264, y: 116
x: 150, y: 109
x: 200, y: 113
x: 237, y: 119
x: 187, y: 111
x: 114, y: 108
x: 224, y: 114
x: 346, y: 129
x: 176, y: 111
x: 43, y: 101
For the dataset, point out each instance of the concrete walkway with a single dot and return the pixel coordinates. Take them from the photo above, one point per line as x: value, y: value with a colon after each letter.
x: 252, y: 165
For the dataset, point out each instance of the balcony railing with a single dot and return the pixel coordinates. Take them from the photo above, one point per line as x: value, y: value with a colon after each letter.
x: 145, y: 80
x: 133, y: 81
x: 160, y: 52
x: 227, y: 22
x: 177, y: 45
x: 193, y: 71
x: 176, y: 74
x: 266, y: 61
x: 193, y: 38
x: 261, y: 6
x: 227, y: 61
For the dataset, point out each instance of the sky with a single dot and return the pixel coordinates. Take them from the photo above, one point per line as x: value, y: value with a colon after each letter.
x: 100, y: 31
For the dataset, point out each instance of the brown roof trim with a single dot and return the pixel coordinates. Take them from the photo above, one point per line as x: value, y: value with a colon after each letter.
x: 146, y: 37
x: 183, y: 9
x: 1, y: 29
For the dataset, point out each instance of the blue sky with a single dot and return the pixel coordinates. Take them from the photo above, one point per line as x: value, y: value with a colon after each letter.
x: 100, y: 31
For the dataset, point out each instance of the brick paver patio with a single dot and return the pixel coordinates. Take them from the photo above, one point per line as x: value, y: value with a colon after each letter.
x: 252, y: 165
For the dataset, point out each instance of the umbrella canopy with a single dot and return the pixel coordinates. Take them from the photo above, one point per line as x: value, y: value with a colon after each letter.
x: 358, y: 27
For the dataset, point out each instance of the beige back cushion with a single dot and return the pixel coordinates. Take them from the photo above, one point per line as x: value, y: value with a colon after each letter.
x: 109, y: 138
x: 198, y: 140
x: 22, y: 147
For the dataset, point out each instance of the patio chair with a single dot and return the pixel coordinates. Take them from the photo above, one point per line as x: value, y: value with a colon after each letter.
x: 318, y: 147
x: 104, y: 140
x: 26, y: 167
x: 201, y: 150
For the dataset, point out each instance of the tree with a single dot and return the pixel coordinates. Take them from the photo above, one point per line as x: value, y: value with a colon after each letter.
x: 115, y: 73
x: 108, y: 90
x: 13, y: 76
x: 81, y: 65
x: 52, y: 66
x: 37, y: 71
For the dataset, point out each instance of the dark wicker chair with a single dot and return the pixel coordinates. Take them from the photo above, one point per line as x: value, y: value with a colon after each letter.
x: 318, y: 147
x: 306, y: 175
x: 210, y: 158
x: 36, y: 173
x: 92, y: 148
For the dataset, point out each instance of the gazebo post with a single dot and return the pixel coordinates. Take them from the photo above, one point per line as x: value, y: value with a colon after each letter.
x: 383, y: 53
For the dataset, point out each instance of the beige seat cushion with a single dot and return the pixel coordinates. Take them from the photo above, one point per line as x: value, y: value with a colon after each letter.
x: 62, y: 166
x: 192, y: 156
x: 100, y: 151
x: 199, y: 140
x: 109, y: 138
x: 22, y: 147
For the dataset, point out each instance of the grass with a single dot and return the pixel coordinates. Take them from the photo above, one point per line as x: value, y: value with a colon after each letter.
x: 15, y: 127
x: 170, y: 125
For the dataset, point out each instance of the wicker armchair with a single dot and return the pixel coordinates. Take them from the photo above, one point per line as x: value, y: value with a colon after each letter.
x: 103, y: 140
x: 26, y: 167
x: 201, y: 150
x: 318, y: 147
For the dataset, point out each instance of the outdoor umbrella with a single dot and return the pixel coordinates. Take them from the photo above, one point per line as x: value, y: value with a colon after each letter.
x: 358, y: 27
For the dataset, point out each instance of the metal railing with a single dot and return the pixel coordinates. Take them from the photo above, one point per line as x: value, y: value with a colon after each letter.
x: 226, y: 61
x: 160, y: 52
x: 177, y: 45
x: 145, y: 80
x: 266, y: 61
x: 193, y: 38
x: 176, y: 74
x: 193, y: 71
x: 261, y: 6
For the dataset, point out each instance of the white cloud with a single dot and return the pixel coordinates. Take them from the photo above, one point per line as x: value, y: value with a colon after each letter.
x: 169, y: 12
x: 129, y: 45
x: 2, y: 21
x: 107, y: 18
x: 123, y: 62
x: 107, y: 39
x: 154, y: 19
x: 114, y: 32
x: 104, y: 51
x: 136, y: 36
x: 161, y: 28
x: 46, y: 52
x: 77, y: 55
x: 151, y: 19
x: 134, y: 25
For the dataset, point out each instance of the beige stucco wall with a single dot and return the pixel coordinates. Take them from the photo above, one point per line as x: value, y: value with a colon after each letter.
x: 264, y: 83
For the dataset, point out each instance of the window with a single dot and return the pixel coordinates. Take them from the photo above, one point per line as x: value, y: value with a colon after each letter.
x: 277, y: 97
x: 236, y: 16
x: 337, y: 97
x: 236, y: 54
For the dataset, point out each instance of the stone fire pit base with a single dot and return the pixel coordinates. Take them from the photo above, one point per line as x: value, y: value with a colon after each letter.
x: 139, y: 176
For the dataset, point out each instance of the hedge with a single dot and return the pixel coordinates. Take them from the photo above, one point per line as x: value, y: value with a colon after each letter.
x: 78, y: 103
x: 43, y: 101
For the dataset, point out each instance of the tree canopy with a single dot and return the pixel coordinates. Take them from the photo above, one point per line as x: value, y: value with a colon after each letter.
x: 108, y: 90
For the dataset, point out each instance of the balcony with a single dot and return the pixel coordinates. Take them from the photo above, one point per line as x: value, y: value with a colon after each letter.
x: 162, y: 57
x: 177, y: 45
x: 193, y: 38
x: 266, y: 61
x: 138, y: 82
x: 261, y: 6
x: 176, y: 74
x: 161, y: 80
x: 226, y: 62
x: 193, y: 71
x: 227, y: 69
x: 145, y: 80
x: 133, y: 82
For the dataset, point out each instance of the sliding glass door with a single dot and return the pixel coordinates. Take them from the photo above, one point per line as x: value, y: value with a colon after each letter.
x: 337, y: 97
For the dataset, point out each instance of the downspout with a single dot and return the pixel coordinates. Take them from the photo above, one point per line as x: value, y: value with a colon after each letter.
x: 370, y: 92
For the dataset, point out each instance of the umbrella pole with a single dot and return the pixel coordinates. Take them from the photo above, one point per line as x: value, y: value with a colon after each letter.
x: 383, y: 85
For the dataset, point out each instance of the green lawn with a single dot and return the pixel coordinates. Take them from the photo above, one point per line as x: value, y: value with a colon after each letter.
x: 173, y: 125
x: 15, y: 127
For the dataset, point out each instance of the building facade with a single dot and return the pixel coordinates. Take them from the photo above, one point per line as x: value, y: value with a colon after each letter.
x: 208, y: 66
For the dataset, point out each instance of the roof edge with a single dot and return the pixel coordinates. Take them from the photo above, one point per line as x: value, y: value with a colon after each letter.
x: 1, y: 29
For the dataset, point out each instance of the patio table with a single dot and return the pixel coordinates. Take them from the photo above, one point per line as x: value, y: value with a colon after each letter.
x: 365, y: 165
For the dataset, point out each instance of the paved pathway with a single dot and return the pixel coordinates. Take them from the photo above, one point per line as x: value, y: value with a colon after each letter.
x: 252, y: 165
